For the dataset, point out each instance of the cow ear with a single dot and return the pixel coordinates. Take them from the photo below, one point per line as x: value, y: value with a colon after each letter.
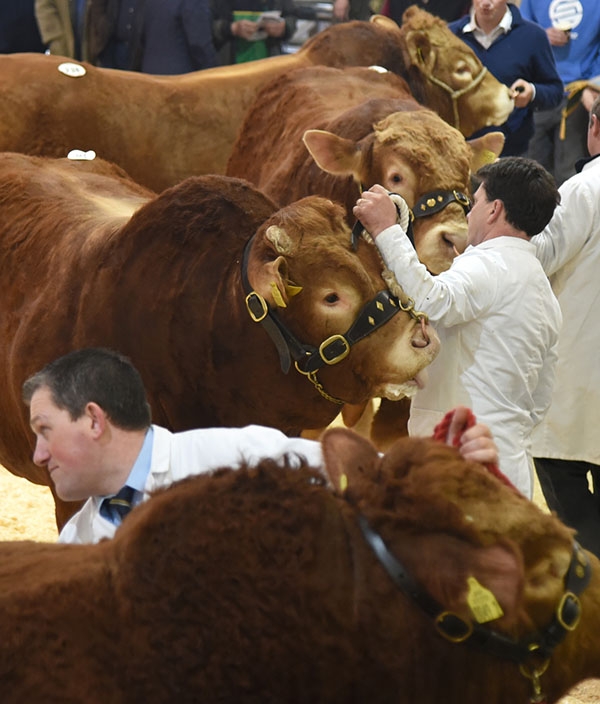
x: 419, y: 51
x: 333, y: 154
x: 269, y: 279
x: 485, y: 149
x: 385, y: 22
x: 349, y: 459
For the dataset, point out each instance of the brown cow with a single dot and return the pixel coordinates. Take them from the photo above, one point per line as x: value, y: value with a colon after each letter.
x: 161, y: 129
x: 265, y: 585
x: 165, y: 285
x: 369, y: 131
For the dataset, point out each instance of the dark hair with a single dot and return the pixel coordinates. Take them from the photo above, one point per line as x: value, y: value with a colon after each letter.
x: 526, y: 189
x: 99, y: 375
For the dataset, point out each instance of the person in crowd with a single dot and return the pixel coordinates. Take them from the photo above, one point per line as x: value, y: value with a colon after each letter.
x: 18, y: 27
x: 242, y: 32
x: 91, y: 419
x: 77, y: 29
x: 494, y: 310
x: 448, y: 10
x: 158, y: 37
x: 344, y: 10
x: 566, y: 445
x: 573, y: 30
x: 517, y: 52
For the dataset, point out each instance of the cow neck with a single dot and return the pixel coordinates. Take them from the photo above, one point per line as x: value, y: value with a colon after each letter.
x: 533, y: 653
x: 308, y: 359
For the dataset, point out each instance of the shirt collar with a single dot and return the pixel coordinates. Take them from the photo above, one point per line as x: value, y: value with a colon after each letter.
x: 503, y: 27
x: 580, y: 163
x: 141, y: 467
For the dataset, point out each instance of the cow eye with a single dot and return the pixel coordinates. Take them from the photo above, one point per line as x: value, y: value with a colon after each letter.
x: 396, y: 178
x: 332, y: 298
x: 462, y: 69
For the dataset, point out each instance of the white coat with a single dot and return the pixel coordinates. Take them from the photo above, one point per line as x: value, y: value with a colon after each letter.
x: 569, y: 250
x: 176, y: 456
x: 498, y: 324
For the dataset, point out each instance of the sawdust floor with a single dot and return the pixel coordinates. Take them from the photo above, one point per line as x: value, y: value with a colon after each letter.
x: 27, y: 513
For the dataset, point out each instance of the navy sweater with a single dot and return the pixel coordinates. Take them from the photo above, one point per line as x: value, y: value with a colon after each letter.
x: 524, y: 52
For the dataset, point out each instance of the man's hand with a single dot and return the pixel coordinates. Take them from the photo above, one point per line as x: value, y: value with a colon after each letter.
x: 475, y: 444
x: 340, y: 10
x: 375, y: 210
x: 243, y: 28
x: 522, y: 93
x: 558, y: 37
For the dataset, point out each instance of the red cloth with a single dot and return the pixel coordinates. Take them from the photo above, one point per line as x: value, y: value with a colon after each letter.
x: 440, y: 434
x: 385, y: 10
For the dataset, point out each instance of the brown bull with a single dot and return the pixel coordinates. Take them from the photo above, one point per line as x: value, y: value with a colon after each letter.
x: 90, y: 259
x: 368, y: 131
x: 162, y: 129
x: 265, y: 585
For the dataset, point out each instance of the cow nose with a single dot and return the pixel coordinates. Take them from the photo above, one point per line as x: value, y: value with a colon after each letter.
x: 421, y: 338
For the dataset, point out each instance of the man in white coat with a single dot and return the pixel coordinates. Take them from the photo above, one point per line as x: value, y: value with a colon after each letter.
x: 493, y: 310
x: 91, y: 419
x: 566, y: 446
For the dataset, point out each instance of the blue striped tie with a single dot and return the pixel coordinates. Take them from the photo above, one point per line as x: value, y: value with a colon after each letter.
x: 115, y: 508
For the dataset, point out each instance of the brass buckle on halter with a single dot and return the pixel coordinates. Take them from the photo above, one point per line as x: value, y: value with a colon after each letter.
x: 331, y: 345
x: 463, y: 200
x: 257, y: 306
x: 446, y: 624
x: 569, y: 622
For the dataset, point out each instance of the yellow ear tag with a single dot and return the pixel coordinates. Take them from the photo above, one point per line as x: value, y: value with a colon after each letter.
x: 488, y: 156
x: 343, y: 483
x: 277, y: 297
x: 292, y: 290
x: 482, y: 602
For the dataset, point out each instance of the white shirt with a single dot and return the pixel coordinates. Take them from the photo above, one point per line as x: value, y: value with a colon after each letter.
x: 498, y: 324
x: 569, y: 249
x: 179, y: 455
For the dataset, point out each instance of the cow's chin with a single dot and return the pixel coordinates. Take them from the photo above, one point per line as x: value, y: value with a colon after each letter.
x: 394, y: 392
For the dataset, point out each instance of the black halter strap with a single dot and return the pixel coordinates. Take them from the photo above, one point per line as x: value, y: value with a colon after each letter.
x: 429, y: 204
x: 335, y: 348
x: 457, y: 630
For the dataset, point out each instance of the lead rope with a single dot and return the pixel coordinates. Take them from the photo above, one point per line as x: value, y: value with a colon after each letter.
x: 407, y: 304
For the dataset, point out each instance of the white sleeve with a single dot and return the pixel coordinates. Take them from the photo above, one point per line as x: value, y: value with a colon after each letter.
x: 455, y: 296
x: 569, y: 229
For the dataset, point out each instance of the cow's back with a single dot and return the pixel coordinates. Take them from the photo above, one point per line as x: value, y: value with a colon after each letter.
x: 270, y: 138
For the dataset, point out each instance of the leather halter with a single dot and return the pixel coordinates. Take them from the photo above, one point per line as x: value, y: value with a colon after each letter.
x: 309, y: 358
x: 428, y: 204
x: 456, y: 629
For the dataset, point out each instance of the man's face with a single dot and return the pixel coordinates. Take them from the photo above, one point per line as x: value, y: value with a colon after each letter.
x: 64, y: 446
x: 490, y: 10
x: 477, y: 217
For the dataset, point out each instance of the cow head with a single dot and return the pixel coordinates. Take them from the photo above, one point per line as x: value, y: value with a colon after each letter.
x: 484, y: 552
x: 446, y: 75
x: 442, y: 71
x: 302, y: 263
x: 412, y: 153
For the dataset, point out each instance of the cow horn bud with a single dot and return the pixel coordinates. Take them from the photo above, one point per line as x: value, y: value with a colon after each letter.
x: 280, y: 239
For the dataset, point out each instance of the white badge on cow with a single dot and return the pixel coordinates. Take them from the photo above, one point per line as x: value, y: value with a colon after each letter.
x: 71, y: 69
x: 79, y: 155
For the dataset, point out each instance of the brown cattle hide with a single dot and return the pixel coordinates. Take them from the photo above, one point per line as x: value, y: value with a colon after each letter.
x: 95, y: 260
x: 162, y: 129
x: 258, y: 586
